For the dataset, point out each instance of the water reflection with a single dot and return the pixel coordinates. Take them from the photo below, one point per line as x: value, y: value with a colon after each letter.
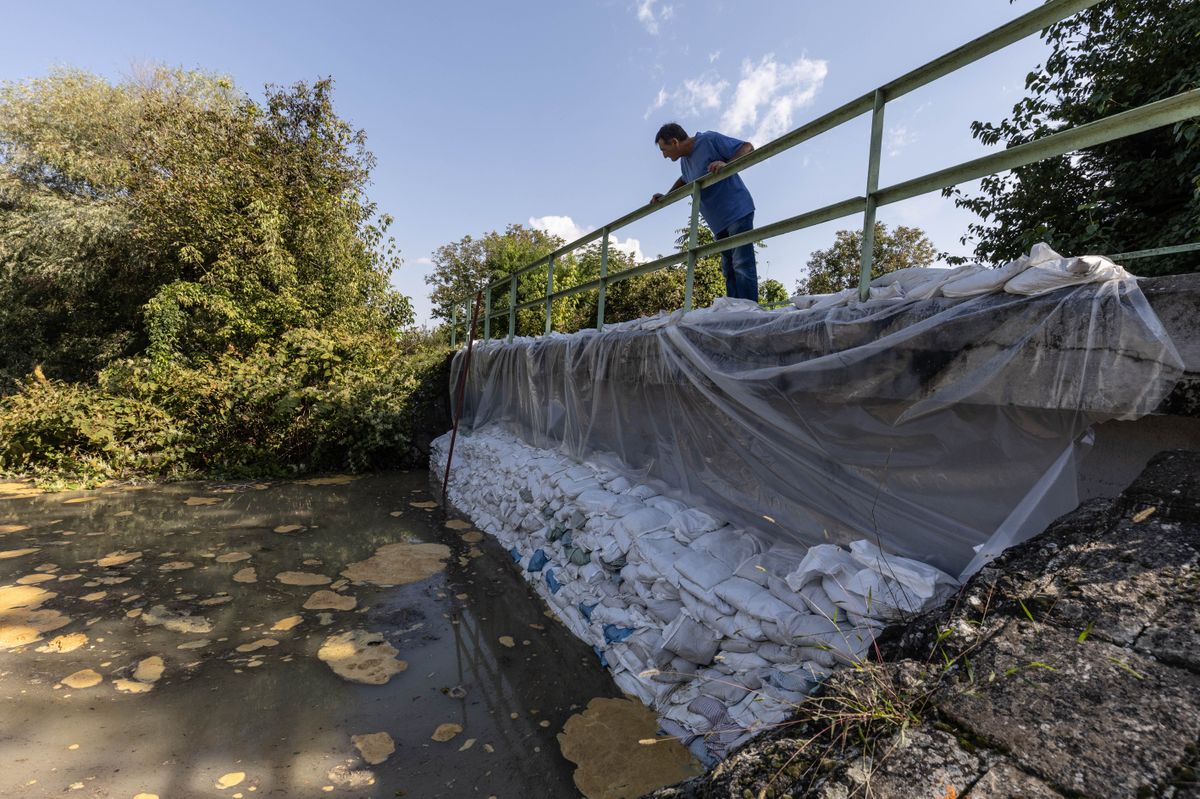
x: 225, y: 702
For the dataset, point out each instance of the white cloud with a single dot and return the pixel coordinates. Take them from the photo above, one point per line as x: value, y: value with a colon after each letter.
x: 897, y: 139
x: 713, y: 56
x: 650, y: 18
x: 693, y: 97
x: 768, y: 95
x: 422, y: 262
x: 568, y: 230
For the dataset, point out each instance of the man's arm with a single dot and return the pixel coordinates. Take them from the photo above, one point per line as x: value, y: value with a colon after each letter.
x: 678, y: 184
x: 715, y: 166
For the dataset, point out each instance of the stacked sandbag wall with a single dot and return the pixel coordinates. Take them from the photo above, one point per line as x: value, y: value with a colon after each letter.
x: 717, y: 628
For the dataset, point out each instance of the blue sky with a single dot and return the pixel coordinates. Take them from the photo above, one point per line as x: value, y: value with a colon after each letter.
x: 483, y: 114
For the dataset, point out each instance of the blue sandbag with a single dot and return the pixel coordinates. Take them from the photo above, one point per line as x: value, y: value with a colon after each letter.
x: 552, y: 582
x: 600, y: 654
x: 586, y: 610
x: 516, y: 554
x: 538, y: 561
x: 614, y: 634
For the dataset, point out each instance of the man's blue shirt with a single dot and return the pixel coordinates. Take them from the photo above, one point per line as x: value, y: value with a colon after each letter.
x: 727, y: 201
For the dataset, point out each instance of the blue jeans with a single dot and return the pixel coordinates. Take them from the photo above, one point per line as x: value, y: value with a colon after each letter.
x: 741, y: 271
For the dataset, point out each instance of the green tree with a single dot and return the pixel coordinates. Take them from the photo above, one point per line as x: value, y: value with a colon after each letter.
x: 1134, y: 193
x: 772, y: 292
x: 468, y: 265
x: 170, y: 213
x: 837, y: 267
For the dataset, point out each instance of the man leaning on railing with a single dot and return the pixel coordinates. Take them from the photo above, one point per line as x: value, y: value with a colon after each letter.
x: 727, y: 205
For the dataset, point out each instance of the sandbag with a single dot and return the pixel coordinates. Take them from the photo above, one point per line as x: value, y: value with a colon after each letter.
x: 690, y: 639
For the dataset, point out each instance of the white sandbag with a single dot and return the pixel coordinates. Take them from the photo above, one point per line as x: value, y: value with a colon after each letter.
x: 979, y: 281
x: 642, y: 521
x: 690, y: 639
x: 702, y: 569
x: 664, y: 610
x: 884, y: 598
x: 749, y: 627
x: 664, y: 589
x: 783, y: 592
x: 705, y: 598
x: 843, y: 598
x: 618, y: 485
x: 738, y: 645
x: 820, y: 561
x: 666, y: 505
x: 728, y: 545
x: 743, y: 661
x: 660, y: 554
x: 1070, y: 272
x: 818, y: 602
x: 751, y: 598
x: 724, y: 689
x: 596, y: 500
x: 642, y: 493
x: 626, y: 506
x: 634, y: 686
x: 924, y: 580
x: 802, y: 628
x: 690, y: 523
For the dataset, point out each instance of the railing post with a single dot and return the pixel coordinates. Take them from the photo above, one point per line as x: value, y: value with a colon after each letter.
x: 453, y: 326
x: 487, y: 313
x: 603, y: 279
x: 868, y: 236
x: 693, y: 241
x: 512, y: 307
x: 549, y: 291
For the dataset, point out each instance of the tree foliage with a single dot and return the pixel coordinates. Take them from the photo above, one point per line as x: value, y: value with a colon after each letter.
x: 170, y: 214
x: 1135, y: 193
x: 469, y: 264
x: 837, y: 268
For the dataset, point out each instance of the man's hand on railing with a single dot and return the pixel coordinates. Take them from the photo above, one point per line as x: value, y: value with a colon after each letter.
x: 715, y: 167
x: 656, y: 199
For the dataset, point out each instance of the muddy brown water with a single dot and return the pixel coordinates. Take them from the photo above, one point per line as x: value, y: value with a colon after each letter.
x: 271, y: 719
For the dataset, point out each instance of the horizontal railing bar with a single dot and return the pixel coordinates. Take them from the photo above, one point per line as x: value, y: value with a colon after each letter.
x: 1137, y: 120
x: 1041, y: 17
x: 828, y: 213
x: 1176, y: 248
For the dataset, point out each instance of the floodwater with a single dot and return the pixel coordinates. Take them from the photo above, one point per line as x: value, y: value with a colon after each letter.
x: 154, y: 641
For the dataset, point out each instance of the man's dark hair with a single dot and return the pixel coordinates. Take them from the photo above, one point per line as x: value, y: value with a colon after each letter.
x: 671, y: 130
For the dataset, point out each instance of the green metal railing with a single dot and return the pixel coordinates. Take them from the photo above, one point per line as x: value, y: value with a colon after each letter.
x: 1163, y: 112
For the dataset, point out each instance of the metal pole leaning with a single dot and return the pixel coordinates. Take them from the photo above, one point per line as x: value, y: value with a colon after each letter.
x: 693, y: 241
x: 868, y: 234
x: 487, y: 313
x: 603, y: 280
x: 512, y: 307
x: 549, y: 296
x: 453, y: 326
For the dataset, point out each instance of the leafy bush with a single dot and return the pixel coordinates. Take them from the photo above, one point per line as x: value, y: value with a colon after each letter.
x: 310, y: 401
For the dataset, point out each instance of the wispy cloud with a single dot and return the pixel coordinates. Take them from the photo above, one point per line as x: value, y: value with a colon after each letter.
x: 713, y: 56
x: 568, y: 230
x: 897, y: 139
x: 651, y: 17
x: 768, y: 95
x: 693, y: 97
x: 900, y: 136
x: 763, y: 104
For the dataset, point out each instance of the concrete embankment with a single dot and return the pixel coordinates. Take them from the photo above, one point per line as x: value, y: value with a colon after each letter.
x: 1069, y: 667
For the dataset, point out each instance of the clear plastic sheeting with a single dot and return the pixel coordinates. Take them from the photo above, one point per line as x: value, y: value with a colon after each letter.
x: 944, y: 428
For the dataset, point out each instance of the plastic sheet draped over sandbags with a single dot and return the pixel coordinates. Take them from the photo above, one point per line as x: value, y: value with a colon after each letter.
x: 941, y: 423
x: 680, y: 605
